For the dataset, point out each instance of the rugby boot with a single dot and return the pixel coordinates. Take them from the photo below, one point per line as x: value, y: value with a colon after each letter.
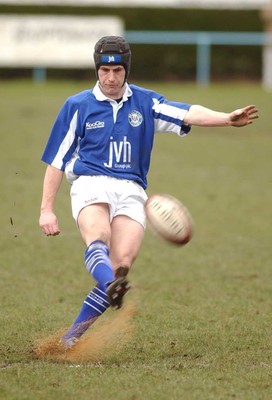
x: 118, y: 288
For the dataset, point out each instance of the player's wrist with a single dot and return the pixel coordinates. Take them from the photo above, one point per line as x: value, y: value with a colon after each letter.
x: 228, y: 120
x: 46, y: 210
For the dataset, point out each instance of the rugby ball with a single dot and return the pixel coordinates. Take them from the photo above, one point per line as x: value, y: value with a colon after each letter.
x: 169, y: 218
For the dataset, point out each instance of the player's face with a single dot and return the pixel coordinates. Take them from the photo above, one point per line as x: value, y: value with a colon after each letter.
x: 111, y: 79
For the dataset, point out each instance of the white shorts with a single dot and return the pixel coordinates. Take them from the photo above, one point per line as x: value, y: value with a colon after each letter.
x: 123, y: 196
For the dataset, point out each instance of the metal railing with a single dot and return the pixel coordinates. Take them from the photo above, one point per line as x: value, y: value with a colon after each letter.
x: 203, y: 42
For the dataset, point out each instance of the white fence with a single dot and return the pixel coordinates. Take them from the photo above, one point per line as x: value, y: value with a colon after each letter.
x: 204, y: 41
x: 41, y: 42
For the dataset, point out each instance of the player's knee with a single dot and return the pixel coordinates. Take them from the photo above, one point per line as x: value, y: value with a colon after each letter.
x: 124, y: 260
x: 103, y: 235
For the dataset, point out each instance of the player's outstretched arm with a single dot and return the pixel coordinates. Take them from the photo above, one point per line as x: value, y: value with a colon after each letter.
x: 202, y: 116
x: 48, y: 221
x: 243, y: 116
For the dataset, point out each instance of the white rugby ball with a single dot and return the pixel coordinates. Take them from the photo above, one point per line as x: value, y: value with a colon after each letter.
x: 169, y: 218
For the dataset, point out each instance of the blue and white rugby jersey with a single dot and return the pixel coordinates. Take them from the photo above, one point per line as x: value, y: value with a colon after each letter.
x: 94, y: 135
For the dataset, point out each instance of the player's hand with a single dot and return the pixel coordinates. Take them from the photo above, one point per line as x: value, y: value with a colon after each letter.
x: 49, y: 223
x: 243, y: 116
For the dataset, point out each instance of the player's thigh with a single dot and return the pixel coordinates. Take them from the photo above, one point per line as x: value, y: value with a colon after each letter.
x: 126, y: 239
x: 94, y: 223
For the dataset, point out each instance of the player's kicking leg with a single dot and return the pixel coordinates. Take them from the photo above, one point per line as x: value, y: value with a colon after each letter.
x: 126, y: 239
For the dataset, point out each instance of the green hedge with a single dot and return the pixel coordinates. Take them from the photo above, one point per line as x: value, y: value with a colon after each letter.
x: 172, y: 61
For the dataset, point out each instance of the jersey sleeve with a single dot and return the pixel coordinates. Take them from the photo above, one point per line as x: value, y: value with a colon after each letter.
x: 63, y: 139
x: 169, y: 115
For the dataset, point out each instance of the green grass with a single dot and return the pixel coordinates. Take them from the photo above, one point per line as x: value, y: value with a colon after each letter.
x: 203, y: 328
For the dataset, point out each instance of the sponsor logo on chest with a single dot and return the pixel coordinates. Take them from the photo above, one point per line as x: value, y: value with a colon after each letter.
x: 95, y: 125
x: 119, y: 154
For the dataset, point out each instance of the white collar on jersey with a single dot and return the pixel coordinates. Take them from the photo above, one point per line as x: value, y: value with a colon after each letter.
x: 101, y: 97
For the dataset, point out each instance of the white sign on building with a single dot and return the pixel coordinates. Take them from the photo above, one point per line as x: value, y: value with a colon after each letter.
x: 53, y: 41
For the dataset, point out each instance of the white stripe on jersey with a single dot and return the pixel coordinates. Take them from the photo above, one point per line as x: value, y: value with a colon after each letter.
x: 66, y: 143
x: 169, y: 111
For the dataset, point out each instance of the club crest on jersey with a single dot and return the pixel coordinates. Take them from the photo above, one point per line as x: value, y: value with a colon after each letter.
x: 135, y: 118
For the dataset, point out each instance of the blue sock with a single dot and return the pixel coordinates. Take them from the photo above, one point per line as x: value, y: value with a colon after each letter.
x: 98, y: 263
x: 99, y: 266
x: 94, y: 305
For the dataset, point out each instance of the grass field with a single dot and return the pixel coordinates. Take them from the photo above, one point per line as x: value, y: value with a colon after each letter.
x: 202, y: 329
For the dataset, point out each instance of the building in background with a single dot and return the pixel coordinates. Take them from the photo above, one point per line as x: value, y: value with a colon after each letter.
x: 45, y: 41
